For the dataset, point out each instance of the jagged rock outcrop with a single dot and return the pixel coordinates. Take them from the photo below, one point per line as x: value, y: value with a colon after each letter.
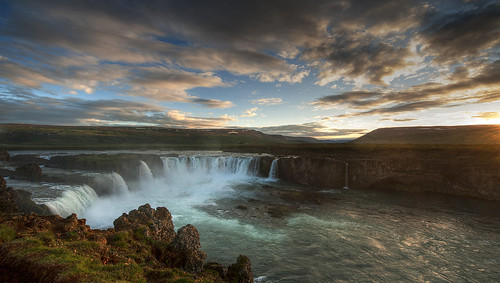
x: 185, y: 250
x: 157, y: 223
x: 241, y: 271
x: 8, y: 203
x: 4, y: 155
x: 78, y: 252
x: 30, y: 172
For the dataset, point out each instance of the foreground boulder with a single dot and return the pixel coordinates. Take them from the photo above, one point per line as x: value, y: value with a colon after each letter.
x: 185, y: 250
x: 241, y: 271
x: 156, y: 223
x: 36, y: 248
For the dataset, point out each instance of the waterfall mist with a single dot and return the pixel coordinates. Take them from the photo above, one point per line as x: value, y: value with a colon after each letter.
x: 330, y: 235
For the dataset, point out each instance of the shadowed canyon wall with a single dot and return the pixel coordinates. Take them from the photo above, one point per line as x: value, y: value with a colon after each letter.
x: 459, y: 172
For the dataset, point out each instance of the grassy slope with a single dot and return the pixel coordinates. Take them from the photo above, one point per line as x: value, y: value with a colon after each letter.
x: 125, y: 257
x: 18, y: 136
x: 452, y: 135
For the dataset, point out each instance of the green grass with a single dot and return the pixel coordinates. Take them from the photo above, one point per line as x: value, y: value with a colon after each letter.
x: 90, y: 261
x: 6, y: 233
x: 20, y: 136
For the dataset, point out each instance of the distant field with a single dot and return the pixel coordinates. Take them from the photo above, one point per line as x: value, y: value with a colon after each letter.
x: 477, y: 134
x: 21, y: 136
x: 26, y: 137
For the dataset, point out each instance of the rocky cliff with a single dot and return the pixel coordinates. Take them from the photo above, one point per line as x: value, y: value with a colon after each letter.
x: 464, y: 172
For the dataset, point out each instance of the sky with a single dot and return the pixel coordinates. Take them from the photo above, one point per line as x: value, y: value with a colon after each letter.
x: 323, y: 69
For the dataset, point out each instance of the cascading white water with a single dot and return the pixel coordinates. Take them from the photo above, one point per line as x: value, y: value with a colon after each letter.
x: 145, y: 173
x: 201, y: 165
x: 274, y: 171
x: 188, y: 181
x: 74, y: 199
x: 346, y: 186
x: 109, y: 184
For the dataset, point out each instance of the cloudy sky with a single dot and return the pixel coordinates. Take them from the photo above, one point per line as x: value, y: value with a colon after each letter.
x: 327, y: 69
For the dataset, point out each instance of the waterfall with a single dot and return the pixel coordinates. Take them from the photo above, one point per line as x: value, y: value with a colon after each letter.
x: 346, y: 175
x: 274, y: 171
x: 144, y: 172
x: 206, y: 165
x: 73, y: 200
x: 109, y: 183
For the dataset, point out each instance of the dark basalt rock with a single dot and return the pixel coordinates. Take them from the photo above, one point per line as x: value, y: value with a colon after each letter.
x: 4, y: 155
x: 187, y: 238
x: 127, y: 165
x: 185, y: 250
x: 26, y: 205
x: 241, y: 271
x: 157, y: 223
x: 217, y: 267
x: 18, y: 201
x: 8, y: 203
x: 30, y: 172
x: 5, y: 172
x: 28, y: 159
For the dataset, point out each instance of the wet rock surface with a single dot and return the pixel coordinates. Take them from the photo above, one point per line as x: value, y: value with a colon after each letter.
x: 241, y: 271
x: 28, y: 159
x: 269, y: 203
x: 26, y: 205
x: 4, y: 155
x: 30, y: 172
x: 18, y: 201
x: 7, y: 198
x: 124, y: 164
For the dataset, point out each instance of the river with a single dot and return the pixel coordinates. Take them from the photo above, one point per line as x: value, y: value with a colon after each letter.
x: 294, y: 233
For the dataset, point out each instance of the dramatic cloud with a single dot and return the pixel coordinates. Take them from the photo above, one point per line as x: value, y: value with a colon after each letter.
x: 373, y: 57
x: 464, y: 34
x: 484, y: 87
x: 35, y: 109
x: 268, y: 101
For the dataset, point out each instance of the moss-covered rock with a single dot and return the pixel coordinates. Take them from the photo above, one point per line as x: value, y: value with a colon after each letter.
x: 156, y: 223
x: 55, y: 249
x: 241, y: 271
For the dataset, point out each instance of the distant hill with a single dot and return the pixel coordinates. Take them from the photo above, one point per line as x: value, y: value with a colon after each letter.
x: 23, y: 136
x: 476, y: 134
